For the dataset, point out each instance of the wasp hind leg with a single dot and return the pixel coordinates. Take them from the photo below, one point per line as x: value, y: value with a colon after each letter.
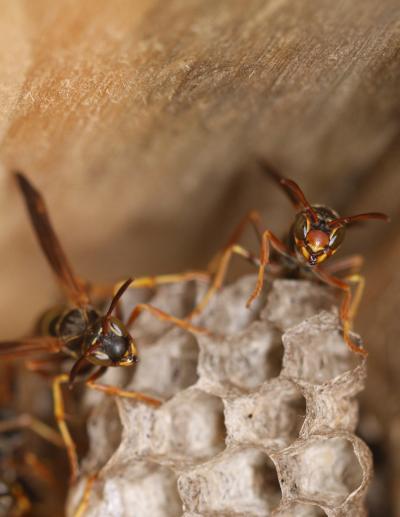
x: 349, y: 305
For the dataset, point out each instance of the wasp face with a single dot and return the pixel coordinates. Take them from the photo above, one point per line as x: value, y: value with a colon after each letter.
x: 315, y: 240
x: 108, y: 343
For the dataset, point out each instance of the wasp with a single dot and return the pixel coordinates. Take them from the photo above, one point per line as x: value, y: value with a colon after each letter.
x: 24, y: 478
x: 92, y: 339
x: 22, y: 473
x: 315, y: 236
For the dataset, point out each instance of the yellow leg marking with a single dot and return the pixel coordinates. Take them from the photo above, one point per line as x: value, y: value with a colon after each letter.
x: 221, y: 263
x: 108, y: 290
x: 113, y: 390
x: 83, y: 505
x: 173, y: 278
x: 349, y: 309
x: 359, y: 282
x: 154, y: 281
x: 59, y: 413
x: 349, y: 304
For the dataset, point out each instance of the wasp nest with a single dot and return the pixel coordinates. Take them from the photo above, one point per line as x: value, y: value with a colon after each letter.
x: 257, y: 421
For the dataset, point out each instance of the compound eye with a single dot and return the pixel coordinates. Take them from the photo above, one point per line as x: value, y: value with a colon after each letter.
x: 337, y: 237
x: 300, y: 227
x: 117, y: 349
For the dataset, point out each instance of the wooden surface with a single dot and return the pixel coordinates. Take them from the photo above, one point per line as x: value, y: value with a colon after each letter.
x: 140, y: 121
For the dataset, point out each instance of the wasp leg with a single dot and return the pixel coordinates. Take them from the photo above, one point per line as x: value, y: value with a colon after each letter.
x: 220, y: 263
x: 119, y: 392
x: 84, y: 502
x: 163, y: 316
x: 220, y: 274
x: 32, y: 462
x: 349, y: 304
x: 44, y: 367
x: 59, y: 413
x: 267, y: 238
x: 26, y: 421
x: 359, y: 282
x: 218, y: 266
x: 154, y: 281
x: 252, y: 218
x: 150, y: 282
x: 353, y: 263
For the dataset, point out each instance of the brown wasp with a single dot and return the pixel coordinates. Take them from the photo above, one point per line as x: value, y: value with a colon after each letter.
x: 21, y: 471
x: 315, y: 235
x: 93, y: 340
x: 24, y: 479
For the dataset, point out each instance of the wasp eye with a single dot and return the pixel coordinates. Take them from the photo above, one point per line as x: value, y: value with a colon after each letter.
x: 337, y: 237
x: 300, y: 227
x: 116, y: 348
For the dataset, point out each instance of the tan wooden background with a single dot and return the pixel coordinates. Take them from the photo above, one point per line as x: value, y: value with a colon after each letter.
x: 140, y: 121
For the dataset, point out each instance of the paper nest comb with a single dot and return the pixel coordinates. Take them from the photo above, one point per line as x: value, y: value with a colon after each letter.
x: 249, y: 427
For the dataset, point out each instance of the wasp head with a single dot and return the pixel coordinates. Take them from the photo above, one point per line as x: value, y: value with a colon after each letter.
x: 108, y: 343
x: 315, y: 238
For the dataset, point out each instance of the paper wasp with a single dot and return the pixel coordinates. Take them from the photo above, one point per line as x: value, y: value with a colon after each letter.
x: 24, y: 479
x: 315, y: 235
x: 79, y: 332
x: 21, y: 471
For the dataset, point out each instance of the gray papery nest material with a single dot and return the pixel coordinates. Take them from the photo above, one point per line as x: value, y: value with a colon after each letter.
x: 249, y: 428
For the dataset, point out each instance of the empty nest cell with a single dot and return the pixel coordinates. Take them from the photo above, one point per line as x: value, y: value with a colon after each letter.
x: 242, y: 480
x: 257, y: 420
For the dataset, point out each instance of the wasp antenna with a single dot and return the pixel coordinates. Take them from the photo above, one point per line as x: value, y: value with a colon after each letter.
x: 117, y: 297
x: 359, y: 217
x: 269, y: 170
x: 298, y: 193
x: 75, y: 370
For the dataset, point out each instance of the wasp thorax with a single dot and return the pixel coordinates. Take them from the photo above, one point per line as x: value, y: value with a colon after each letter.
x: 315, y: 239
x: 108, y: 343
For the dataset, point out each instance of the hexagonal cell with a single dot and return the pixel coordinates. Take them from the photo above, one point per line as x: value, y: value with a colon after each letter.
x: 190, y: 427
x: 187, y: 429
x: 325, y: 470
x: 240, y: 362
x: 315, y: 352
x: 167, y: 366
x: 292, y: 301
x: 145, y: 489
x: 238, y: 481
x: 327, y: 409
x: 226, y: 312
x: 271, y: 417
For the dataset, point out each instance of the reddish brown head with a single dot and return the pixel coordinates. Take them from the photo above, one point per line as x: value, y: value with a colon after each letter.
x: 318, y: 231
x: 315, y: 239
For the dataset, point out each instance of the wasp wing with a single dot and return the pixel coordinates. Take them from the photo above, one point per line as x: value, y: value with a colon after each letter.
x: 49, y: 242
x: 25, y: 348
